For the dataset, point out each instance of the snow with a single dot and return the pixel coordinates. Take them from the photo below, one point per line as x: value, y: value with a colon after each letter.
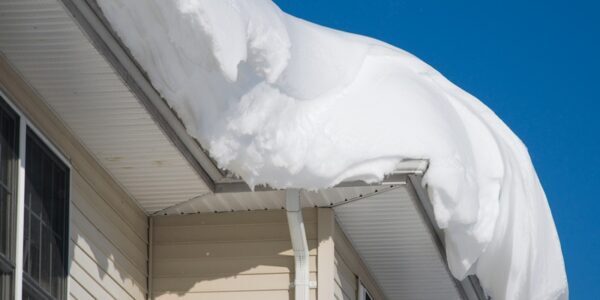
x: 288, y: 103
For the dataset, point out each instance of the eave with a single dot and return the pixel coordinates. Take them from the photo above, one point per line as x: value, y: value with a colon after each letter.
x: 90, y: 18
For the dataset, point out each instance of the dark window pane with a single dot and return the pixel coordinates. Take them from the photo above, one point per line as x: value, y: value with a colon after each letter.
x: 34, y: 173
x: 46, y: 258
x: 34, y: 248
x: 5, y: 206
x: 9, y: 126
x: 45, y: 251
x: 5, y: 285
x: 59, y: 192
x: 57, y: 260
x: 26, y: 244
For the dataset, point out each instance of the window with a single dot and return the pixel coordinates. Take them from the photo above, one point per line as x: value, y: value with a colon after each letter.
x: 34, y: 216
x: 45, y: 227
x: 9, y: 141
x: 363, y: 293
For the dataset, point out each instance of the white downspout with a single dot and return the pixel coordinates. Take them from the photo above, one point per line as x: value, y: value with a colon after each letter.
x: 299, y: 244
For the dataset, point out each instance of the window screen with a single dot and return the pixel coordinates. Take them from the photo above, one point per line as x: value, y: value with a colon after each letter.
x: 9, y: 141
x: 45, y: 224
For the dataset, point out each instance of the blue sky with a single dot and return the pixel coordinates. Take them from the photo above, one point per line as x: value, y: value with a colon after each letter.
x: 536, y: 64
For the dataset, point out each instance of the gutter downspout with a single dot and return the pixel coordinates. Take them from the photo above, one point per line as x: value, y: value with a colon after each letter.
x: 299, y: 244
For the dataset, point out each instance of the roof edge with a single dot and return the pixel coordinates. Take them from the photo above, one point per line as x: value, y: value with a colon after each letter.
x: 409, y: 166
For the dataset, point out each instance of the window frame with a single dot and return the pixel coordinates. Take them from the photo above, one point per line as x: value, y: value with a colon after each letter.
x: 7, y: 260
x: 363, y: 292
x: 25, y: 125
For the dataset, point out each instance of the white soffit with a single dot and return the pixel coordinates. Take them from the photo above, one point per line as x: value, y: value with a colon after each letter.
x: 45, y: 45
x: 394, y: 241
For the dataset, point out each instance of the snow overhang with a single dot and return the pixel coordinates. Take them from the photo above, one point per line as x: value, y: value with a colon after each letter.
x: 86, y: 99
x: 207, y: 178
x: 227, y: 193
x: 92, y: 21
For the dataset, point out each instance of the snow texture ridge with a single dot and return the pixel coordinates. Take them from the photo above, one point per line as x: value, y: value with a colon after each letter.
x: 288, y: 103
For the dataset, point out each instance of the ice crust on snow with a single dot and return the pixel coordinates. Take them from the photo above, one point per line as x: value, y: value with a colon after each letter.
x: 288, y: 103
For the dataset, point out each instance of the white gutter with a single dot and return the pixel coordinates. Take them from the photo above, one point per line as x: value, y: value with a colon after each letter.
x: 299, y: 244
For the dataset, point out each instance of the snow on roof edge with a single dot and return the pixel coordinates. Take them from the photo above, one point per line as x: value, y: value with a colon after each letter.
x: 289, y: 103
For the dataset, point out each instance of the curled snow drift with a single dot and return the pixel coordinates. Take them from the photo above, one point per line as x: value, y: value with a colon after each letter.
x: 284, y: 102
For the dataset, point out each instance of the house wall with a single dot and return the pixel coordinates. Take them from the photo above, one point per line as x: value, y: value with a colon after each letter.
x: 238, y: 255
x: 108, y: 232
x: 349, y: 269
x: 346, y: 282
x: 339, y: 265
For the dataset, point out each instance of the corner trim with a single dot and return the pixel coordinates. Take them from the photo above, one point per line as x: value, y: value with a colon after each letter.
x: 325, y: 253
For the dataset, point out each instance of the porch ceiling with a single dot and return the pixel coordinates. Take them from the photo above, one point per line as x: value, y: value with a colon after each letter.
x: 386, y: 223
x: 46, y: 46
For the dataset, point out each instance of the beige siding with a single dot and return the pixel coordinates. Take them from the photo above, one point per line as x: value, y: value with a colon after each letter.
x: 108, y: 232
x: 346, y: 282
x: 241, y: 255
x: 349, y: 268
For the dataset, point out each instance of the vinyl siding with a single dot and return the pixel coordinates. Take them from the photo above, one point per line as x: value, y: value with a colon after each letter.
x: 241, y: 255
x: 108, y: 232
x: 108, y: 257
x: 349, y: 268
x: 346, y: 283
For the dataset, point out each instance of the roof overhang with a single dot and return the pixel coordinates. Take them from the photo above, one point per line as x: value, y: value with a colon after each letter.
x: 399, y: 198
x: 89, y: 16
x: 231, y: 194
x: 104, y: 104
